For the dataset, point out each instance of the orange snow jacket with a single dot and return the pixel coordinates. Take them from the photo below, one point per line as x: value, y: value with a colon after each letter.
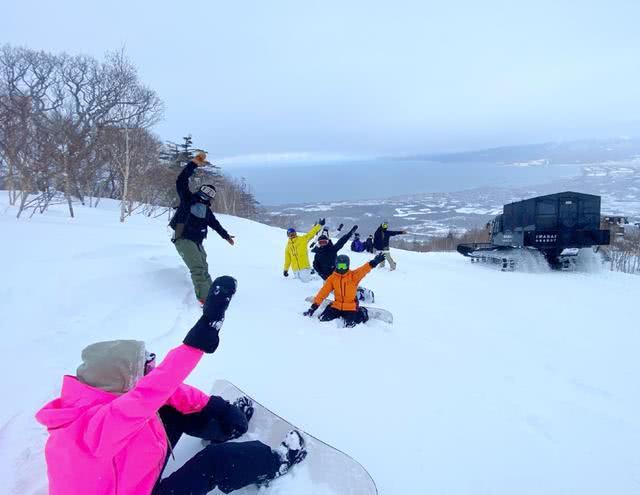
x: 344, y: 288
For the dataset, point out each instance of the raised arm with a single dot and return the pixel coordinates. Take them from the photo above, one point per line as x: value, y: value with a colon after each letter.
x: 182, y: 182
x: 343, y: 240
x: 110, y: 428
x: 395, y: 232
x: 314, y: 230
x: 360, y: 273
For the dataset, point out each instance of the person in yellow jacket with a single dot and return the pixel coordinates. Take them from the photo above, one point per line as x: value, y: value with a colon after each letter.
x: 296, y: 253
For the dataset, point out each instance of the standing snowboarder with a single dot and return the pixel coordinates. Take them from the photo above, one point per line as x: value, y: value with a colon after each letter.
x: 190, y: 223
x: 381, y: 243
x: 296, y: 254
x: 357, y: 246
x: 115, y: 424
x: 368, y: 244
x: 344, y: 285
x: 324, y: 260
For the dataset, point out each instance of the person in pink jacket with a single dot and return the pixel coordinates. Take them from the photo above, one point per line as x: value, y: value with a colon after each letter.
x: 112, y: 429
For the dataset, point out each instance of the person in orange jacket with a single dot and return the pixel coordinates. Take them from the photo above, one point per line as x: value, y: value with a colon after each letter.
x: 344, y: 285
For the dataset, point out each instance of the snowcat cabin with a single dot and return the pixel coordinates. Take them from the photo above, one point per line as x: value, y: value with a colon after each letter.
x: 553, y: 223
x: 557, y: 225
x: 495, y: 227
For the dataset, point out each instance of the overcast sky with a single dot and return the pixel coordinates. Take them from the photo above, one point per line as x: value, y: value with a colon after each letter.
x: 363, y: 77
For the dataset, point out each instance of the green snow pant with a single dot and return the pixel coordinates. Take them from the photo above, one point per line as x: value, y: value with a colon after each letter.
x: 195, y: 257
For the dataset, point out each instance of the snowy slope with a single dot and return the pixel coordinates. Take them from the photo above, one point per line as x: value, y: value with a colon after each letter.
x: 488, y: 382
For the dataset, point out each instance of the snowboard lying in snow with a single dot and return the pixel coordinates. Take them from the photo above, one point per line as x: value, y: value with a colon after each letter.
x: 374, y: 313
x: 326, y: 470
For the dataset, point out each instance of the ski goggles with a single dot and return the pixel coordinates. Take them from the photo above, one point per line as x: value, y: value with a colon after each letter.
x: 149, y: 362
x: 208, y: 191
x: 342, y: 266
x: 323, y: 242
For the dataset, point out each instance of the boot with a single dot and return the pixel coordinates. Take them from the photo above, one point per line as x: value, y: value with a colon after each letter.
x: 291, y: 451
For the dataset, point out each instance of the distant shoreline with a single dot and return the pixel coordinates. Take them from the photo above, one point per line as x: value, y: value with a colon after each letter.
x: 371, y: 179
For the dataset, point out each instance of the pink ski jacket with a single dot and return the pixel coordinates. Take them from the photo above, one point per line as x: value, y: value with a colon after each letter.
x: 101, y: 443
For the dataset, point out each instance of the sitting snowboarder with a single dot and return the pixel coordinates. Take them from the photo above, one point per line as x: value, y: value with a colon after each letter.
x: 296, y: 254
x: 344, y: 285
x: 357, y: 246
x: 324, y: 260
x: 115, y: 423
x: 368, y: 244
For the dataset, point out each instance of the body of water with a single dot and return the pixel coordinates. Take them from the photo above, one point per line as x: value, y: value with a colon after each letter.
x: 355, y: 180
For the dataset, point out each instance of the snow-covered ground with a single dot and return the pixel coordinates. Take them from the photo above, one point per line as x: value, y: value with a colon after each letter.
x: 488, y: 383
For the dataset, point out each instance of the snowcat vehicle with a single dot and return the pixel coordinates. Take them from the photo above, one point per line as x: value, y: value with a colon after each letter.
x: 555, y: 227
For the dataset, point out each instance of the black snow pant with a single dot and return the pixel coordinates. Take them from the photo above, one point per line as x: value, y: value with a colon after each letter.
x: 226, y: 466
x: 351, y: 318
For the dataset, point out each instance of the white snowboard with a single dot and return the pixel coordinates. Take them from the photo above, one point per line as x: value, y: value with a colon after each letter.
x: 374, y: 313
x: 328, y: 470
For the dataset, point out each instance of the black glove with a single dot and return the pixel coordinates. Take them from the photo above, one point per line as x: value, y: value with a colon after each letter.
x: 285, y: 273
x: 204, y: 334
x: 321, y: 221
x: 377, y: 260
x: 223, y: 421
x: 353, y: 229
x: 311, y: 310
x: 216, y: 408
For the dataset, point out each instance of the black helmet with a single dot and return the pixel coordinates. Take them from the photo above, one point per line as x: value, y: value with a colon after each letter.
x: 323, y: 240
x: 207, y: 192
x: 342, y: 264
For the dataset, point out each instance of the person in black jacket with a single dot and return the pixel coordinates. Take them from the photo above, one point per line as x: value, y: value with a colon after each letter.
x: 381, y: 243
x: 368, y: 244
x: 326, y: 252
x: 191, y: 221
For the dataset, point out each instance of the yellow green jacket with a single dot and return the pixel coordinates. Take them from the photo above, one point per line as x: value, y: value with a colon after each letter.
x: 296, y: 253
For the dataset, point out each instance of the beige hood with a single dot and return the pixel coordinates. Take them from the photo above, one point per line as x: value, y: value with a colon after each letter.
x: 113, y: 366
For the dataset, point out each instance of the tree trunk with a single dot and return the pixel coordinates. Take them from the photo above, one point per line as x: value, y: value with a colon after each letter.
x: 11, y: 183
x: 23, y: 199
x: 125, y: 177
x: 67, y: 186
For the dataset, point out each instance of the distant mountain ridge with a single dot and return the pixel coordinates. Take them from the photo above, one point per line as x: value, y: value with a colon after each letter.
x: 583, y: 151
x: 436, y: 213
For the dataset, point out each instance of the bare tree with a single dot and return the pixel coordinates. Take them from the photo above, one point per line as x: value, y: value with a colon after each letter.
x: 75, y: 128
x: 29, y: 87
x: 623, y: 254
x: 137, y: 109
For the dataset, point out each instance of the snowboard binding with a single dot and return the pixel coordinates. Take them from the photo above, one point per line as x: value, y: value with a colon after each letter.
x: 292, y: 451
x: 245, y: 404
